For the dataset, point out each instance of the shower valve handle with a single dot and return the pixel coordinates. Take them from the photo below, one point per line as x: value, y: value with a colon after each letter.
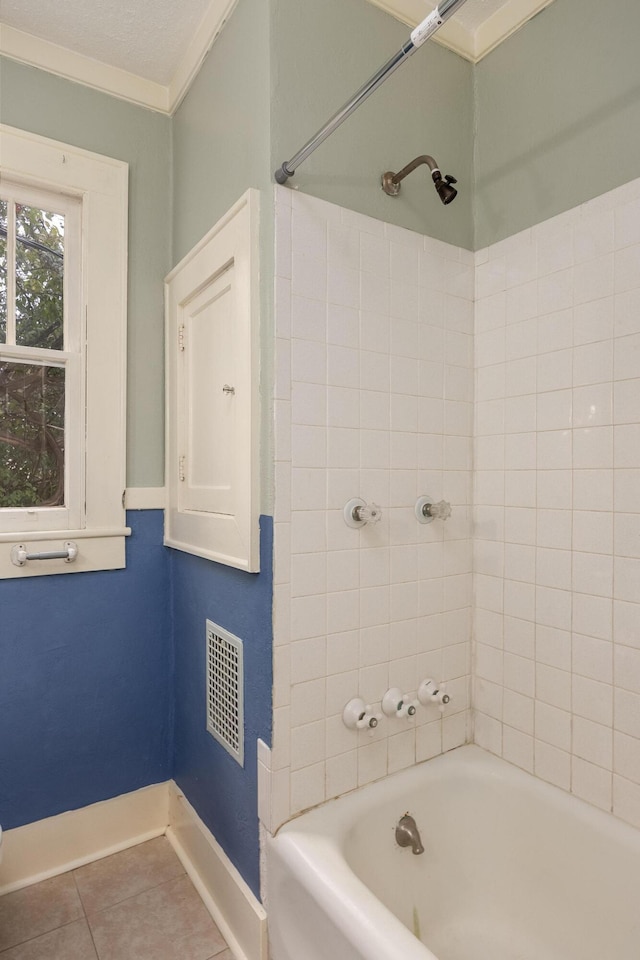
x: 358, y: 715
x: 430, y: 692
x: 427, y: 509
x: 398, y: 704
x: 357, y: 513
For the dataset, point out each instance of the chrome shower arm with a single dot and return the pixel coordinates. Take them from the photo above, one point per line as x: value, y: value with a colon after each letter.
x: 420, y: 35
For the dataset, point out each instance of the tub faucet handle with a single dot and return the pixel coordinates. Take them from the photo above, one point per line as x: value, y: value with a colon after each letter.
x: 358, y: 715
x: 431, y: 692
x: 408, y: 835
x: 398, y: 704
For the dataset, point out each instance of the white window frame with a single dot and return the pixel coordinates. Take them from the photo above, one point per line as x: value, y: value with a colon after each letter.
x: 98, y: 185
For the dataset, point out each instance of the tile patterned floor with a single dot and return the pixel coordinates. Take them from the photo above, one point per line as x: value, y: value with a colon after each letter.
x: 134, y: 905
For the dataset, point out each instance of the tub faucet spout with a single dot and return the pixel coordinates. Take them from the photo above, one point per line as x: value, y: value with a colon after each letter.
x: 408, y: 835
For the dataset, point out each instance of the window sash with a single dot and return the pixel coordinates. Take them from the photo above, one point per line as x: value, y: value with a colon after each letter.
x: 72, y: 358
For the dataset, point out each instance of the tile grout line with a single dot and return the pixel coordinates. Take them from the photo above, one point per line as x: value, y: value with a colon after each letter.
x: 117, y: 903
x: 45, y: 933
x: 84, y: 913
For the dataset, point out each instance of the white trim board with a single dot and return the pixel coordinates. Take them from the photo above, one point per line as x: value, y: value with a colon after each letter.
x: 55, y: 845
x: 26, y: 48
x: 240, y: 916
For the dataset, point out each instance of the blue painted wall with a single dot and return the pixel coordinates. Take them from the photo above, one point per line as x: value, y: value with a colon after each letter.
x: 85, y: 682
x: 102, y: 673
x: 223, y: 793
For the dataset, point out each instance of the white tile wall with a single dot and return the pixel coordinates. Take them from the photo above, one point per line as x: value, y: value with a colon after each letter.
x: 373, y: 398
x: 376, y: 335
x: 557, y: 505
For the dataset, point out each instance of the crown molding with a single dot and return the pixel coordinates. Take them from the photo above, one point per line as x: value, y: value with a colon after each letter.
x: 490, y: 34
x: 66, y: 63
x: 475, y: 45
x: 25, y: 48
x: 218, y: 12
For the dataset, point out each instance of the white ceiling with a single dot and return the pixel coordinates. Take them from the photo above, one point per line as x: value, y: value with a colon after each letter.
x: 148, y: 51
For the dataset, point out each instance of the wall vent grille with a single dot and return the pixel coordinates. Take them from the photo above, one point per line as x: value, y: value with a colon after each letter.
x: 225, y: 683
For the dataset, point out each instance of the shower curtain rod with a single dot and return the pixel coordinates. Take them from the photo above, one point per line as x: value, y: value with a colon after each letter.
x: 420, y: 35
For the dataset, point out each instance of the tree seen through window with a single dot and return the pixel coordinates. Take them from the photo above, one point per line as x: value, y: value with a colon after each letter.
x: 32, y: 390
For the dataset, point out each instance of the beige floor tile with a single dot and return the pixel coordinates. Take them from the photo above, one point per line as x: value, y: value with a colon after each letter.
x: 169, y: 922
x: 126, y: 874
x: 35, y: 910
x: 225, y: 955
x: 73, y: 942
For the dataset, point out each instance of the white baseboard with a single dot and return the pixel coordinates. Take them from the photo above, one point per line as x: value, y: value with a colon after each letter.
x: 49, y: 847
x: 239, y: 915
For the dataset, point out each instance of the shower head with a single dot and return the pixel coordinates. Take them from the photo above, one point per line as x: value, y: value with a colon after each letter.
x: 391, y: 181
x: 446, y: 191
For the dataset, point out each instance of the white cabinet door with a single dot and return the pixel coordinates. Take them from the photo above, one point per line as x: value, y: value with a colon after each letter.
x: 207, y: 369
x: 213, y: 419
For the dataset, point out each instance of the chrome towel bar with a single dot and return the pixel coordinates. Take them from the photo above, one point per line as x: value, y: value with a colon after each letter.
x: 19, y: 555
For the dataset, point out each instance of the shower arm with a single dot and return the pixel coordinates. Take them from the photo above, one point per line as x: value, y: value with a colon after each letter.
x: 391, y: 180
x: 420, y: 35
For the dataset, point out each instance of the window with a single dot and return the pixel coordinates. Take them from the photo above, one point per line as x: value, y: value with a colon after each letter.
x: 63, y: 222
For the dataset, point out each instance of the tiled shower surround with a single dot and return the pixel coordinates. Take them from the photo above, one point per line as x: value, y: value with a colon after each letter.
x: 374, y: 388
x: 375, y: 398
x: 557, y: 501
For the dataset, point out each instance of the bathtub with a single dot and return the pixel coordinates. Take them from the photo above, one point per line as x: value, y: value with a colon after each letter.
x: 513, y: 869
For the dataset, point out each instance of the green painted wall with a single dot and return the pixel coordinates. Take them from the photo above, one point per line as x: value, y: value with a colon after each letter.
x: 322, y: 52
x: 221, y: 136
x: 221, y: 129
x: 53, y: 107
x: 557, y: 115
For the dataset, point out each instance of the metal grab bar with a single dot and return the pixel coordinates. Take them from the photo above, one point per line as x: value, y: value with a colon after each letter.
x: 420, y: 35
x: 19, y: 555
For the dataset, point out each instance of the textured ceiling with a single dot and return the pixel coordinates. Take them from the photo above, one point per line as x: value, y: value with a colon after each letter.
x: 144, y: 37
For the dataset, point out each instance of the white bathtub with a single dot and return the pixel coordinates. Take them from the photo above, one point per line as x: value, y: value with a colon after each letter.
x: 513, y: 869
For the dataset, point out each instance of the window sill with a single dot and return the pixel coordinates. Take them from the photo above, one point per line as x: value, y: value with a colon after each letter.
x: 97, y: 550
